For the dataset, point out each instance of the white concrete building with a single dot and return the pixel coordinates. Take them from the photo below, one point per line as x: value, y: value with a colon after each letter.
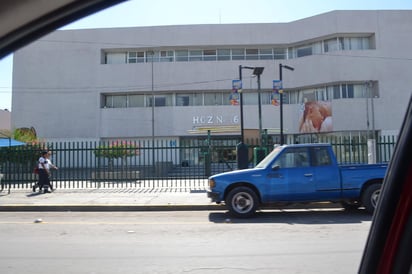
x: 100, y: 83
x: 5, y: 119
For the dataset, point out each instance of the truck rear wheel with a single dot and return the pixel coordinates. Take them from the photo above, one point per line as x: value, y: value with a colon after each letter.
x: 242, y: 202
x: 370, y: 197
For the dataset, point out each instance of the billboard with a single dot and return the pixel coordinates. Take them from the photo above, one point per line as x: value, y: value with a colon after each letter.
x: 315, y: 116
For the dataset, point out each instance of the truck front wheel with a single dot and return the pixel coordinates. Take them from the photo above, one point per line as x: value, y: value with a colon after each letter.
x: 242, y: 202
x: 370, y: 197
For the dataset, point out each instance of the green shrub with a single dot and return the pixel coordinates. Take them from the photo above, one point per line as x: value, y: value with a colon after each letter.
x: 117, y: 149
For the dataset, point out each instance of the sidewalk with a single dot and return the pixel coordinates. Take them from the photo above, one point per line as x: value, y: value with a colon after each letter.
x: 120, y: 199
x: 106, y: 200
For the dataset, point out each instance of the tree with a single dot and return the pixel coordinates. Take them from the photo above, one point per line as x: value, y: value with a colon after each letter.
x: 22, y: 158
x: 117, y: 150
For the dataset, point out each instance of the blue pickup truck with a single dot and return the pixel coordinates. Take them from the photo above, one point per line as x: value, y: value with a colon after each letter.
x: 302, y: 173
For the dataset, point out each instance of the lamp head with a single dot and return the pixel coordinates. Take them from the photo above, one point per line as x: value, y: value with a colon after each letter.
x: 288, y: 67
x: 257, y: 71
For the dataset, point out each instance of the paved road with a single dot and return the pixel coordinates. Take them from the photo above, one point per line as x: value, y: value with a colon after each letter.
x: 291, y: 241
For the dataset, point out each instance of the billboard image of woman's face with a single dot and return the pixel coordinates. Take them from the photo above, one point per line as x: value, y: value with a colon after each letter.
x: 316, y: 116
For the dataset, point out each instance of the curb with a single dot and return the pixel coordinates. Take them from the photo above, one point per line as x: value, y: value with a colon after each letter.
x: 102, y: 208
x: 133, y: 207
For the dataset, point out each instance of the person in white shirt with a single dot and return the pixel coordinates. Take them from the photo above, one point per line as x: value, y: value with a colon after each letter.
x: 44, y: 166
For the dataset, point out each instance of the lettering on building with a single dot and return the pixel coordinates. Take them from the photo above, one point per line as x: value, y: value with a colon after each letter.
x: 214, y: 120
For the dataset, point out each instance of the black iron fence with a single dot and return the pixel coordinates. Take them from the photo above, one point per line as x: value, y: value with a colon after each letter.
x: 165, y: 164
x: 354, y: 149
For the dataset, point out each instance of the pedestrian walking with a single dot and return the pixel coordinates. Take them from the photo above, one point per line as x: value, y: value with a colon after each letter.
x: 44, y: 166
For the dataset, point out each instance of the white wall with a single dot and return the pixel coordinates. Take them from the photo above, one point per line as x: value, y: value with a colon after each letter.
x: 58, y: 81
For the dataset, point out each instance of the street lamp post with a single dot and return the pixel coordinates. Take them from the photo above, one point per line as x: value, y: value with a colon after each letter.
x: 258, y: 71
x: 151, y: 52
x: 242, y: 136
x: 242, y: 149
x: 259, y: 152
x: 281, y: 100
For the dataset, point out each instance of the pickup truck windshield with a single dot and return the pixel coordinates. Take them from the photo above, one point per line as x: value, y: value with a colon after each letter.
x: 268, y: 159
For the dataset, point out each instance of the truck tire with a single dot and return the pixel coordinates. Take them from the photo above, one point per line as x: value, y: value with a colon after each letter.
x: 370, y: 197
x: 242, y: 202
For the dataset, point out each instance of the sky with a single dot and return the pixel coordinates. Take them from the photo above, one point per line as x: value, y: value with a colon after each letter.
x: 135, y: 13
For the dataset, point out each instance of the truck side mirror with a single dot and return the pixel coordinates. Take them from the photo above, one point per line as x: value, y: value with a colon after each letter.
x: 275, y: 167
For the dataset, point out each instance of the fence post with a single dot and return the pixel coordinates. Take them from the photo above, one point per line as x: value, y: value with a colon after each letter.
x: 208, y: 164
x: 371, y: 151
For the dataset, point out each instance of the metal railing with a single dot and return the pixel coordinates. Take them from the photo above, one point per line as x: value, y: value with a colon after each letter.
x: 164, y: 165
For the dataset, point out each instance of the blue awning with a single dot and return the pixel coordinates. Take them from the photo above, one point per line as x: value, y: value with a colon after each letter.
x: 6, y: 142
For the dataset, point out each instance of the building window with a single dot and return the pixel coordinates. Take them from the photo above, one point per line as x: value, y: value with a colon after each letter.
x: 330, y: 45
x: 115, y: 58
x: 209, y: 55
x: 322, y: 94
x: 285, y: 99
x: 266, y: 97
x: 354, y: 43
x: 223, y: 54
x: 183, y: 100
x: 317, y: 48
x: 238, y: 54
x: 214, y: 98
x: 209, y: 98
x: 132, y: 57
x: 152, y: 56
x: 166, y: 56
x: 182, y: 55
x: 108, y: 101
x: 160, y: 100
x: 135, y: 101
x: 359, y: 91
x: 189, y: 99
x: 265, y: 54
x: 304, y: 51
x: 120, y: 101
x: 197, y: 99
x: 336, y: 92
x: 252, y: 54
x: 279, y: 53
x: 326, y: 93
x: 347, y: 91
x: 135, y: 57
x: 226, y: 98
x: 250, y: 98
x: 290, y: 97
x: 308, y: 95
x: 195, y: 55
x: 291, y: 53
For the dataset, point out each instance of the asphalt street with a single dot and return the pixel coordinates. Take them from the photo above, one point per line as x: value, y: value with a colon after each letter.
x: 275, y: 241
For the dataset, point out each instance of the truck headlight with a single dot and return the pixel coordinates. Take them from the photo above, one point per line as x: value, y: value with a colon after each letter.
x: 212, y: 183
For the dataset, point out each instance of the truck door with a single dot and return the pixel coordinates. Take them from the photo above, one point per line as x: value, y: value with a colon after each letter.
x: 291, y: 177
x: 326, y: 173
